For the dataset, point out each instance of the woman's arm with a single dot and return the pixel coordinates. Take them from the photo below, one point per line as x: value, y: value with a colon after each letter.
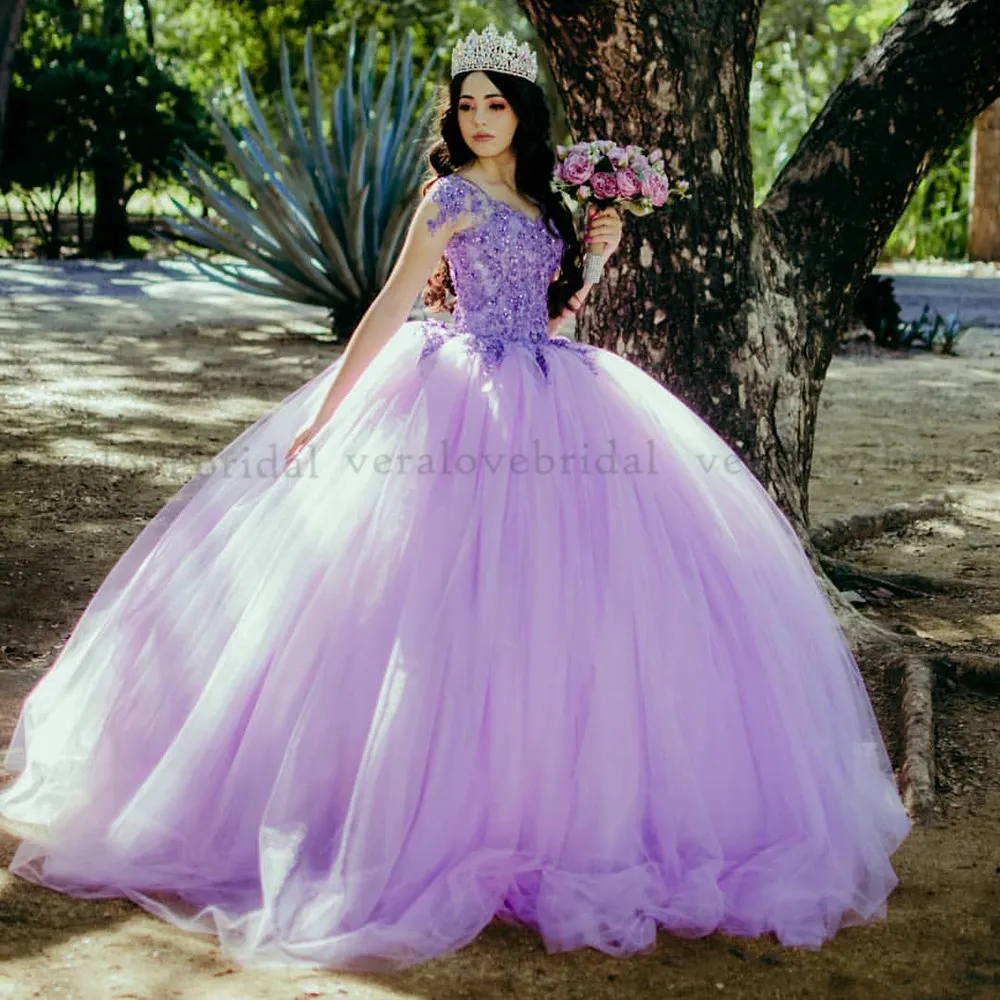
x: 603, y: 234
x: 432, y: 225
x: 422, y: 248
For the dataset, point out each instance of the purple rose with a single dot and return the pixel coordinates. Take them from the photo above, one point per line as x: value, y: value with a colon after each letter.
x: 628, y: 183
x: 575, y: 169
x: 655, y: 187
x: 604, y: 184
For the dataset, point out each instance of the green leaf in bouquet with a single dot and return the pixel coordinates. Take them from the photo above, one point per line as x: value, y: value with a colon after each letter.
x: 636, y: 207
x: 570, y: 202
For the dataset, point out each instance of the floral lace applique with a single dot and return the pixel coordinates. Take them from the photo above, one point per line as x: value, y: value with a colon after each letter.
x: 454, y: 199
x: 501, y: 266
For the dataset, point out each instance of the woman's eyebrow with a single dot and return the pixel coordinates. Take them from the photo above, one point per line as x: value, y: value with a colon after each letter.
x: 469, y: 97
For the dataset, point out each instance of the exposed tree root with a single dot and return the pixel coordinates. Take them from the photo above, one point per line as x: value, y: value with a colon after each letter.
x: 880, y: 645
x: 918, y: 662
x: 846, y: 575
x: 839, y: 531
x: 849, y: 575
x: 978, y: 671
x: 920, y: 665
x: 917, y: 719
x: 879, y: 650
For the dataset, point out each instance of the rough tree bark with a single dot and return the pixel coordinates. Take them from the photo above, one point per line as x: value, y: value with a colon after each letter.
x: 738, y: 309
x: 984, y: 182
x: 11, y: 19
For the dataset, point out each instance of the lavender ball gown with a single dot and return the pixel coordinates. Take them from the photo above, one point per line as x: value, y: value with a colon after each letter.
x: 519, y: 637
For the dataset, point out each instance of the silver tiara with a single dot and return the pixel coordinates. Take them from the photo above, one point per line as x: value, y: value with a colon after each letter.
x: 490, y: 50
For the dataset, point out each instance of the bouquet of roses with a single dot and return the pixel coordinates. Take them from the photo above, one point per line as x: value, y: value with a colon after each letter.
x: 602, y: 173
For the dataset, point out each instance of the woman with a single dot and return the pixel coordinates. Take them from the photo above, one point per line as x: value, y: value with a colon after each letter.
x: 508, y: 631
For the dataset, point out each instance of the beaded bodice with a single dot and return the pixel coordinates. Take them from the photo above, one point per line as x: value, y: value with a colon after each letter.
x: 502, y: 262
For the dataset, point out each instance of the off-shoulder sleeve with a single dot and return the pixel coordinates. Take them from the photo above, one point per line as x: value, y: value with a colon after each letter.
x: 454, y: 198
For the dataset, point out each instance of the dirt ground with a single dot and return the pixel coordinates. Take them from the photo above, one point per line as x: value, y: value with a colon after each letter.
x: 99, y: 431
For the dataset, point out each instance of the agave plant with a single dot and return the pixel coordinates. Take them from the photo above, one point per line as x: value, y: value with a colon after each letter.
x: 325, y: 218
x: 924, y: 332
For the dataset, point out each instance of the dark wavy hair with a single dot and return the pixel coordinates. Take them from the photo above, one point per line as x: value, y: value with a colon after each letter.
x: 535, y: 163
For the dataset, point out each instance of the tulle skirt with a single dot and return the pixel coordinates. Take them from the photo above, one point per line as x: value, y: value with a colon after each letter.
x: 495, y: 645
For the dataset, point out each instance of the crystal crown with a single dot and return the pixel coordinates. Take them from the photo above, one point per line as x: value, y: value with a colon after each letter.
x: 491, y: 50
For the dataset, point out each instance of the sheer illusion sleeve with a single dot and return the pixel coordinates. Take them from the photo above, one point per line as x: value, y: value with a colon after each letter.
x: 459, y: 203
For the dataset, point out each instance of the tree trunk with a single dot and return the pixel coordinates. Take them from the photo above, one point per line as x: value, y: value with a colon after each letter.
x: 111, y: 225
x: 113, y: 18
x: 11, y: 19
x: 147, y: 20
x: 110, y: 232
x: 736, y: 309
x: 984, y: 186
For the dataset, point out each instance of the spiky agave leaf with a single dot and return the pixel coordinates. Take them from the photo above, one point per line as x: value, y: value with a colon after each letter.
x: 325, y: 215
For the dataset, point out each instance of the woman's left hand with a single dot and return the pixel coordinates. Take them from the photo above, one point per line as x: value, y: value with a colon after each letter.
x: 604, y: 227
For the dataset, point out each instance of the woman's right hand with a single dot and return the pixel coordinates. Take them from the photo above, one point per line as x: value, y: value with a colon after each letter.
x: 301, y: 440
x: 569, y: 311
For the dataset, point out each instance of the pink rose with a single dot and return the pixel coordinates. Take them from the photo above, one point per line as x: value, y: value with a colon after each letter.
x: 575, y: 169
x: 655, y: 187
x: 604, y: 184
x: 628, y: 183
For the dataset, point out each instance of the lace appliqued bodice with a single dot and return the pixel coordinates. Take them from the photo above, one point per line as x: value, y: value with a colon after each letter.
x: 501, y: 264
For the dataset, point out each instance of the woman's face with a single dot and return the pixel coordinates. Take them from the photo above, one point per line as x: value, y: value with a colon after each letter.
x: 485, y: 117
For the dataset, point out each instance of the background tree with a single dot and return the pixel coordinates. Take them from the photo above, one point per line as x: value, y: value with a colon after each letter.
x: 90, y: 99
x: 803, y: 52
x: 11, y: 18
x: 736, y: 306
x: 110, y: 165
x: 249, y: 33
x: 47, y: 145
